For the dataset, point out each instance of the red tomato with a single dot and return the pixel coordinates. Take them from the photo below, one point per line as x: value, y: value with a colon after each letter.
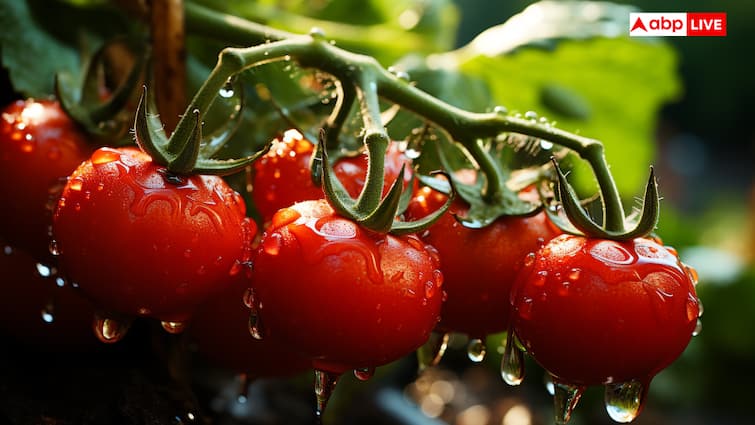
x: 479, y: 265
x: 594, y: 311
x: 221, y: 330
x: 282, y: 176
x: 40, y: 312
x: 140, y: 241
x: 342, y: 296
x: 39, y: 146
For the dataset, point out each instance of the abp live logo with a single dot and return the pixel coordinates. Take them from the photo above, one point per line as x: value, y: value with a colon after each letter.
x: 677, y: 24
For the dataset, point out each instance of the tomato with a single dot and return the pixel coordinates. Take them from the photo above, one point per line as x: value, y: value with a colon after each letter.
x: 478, y: 277
x: 595, y: 311
x: 344, y: 297
x: 282, y: 176
x: 45, y: 313
x: 220, y: 328
x: 141, y: 241
x: 39, y: 146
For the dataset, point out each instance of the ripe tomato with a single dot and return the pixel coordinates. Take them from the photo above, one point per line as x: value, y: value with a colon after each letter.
x: 478, y: 277
x: 140, y: 241
x: 41, y: 312
x: 342, y: 296
x: 220, y: 328
x: 282, y: 176
x: 39, y: 146
x: 594, y: 311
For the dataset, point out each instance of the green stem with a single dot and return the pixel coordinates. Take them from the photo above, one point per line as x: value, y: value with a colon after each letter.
x: 371, y: 80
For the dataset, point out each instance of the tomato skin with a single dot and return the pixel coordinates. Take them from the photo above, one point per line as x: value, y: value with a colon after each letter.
x: 221, y: 331
x: 27, y: 294
x: 344, y: 297
x: 282, y: 176
x: 478, y: 277
x: 39, y: 146
x: 594, y: 311
x: 139, y: 244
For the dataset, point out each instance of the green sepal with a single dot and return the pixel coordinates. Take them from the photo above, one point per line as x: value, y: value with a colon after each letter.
x: 381, y: 218
x: 584, y: 224
x: 151, y: 138
x: 148, y: 129
x: 215, y: 141
x: 482, y: 213
x: 337, y: 196
x: 407, y: 227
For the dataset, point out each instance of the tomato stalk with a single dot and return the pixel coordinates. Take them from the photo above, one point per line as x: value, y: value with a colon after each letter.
x: 368, y: 81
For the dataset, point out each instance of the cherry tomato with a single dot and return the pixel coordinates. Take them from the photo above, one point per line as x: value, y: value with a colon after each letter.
x: 282, y: 176
x: 220, y: 328
x: 140, y: 241
x: 39, y: 146
x: 42, y: 312
x: 478, y: 277
x: 594, y: 311
x: 342, y: 296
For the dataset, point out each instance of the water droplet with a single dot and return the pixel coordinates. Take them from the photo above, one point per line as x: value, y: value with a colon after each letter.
x: 173, y: 327
x: 529, y: 259
x: 227, y: 91
x: 364, y: 374
x: 432, y: 351
x: 325, y: 384
x: 531, y: 115
x: 565, y: 399
x: 574, y: 274
x: 8, y: 250
x: 317, y: 33
x: 54, y: 248
x: 549, y: 385
x: 698, y: 328
x: 700, y: 308
x: 48, y: 312
x: 476, y: 350
x: 430, y: 289
x: 512, y: 362
x: 44, y: 270
x: 60, y: 281
x: 255, y: 324
x: 501, y: 110
x: 540, y: 278
x: 272, y: 244
x: 691, y: 274
x: 110, y: 330
x: 545, y: 145
x: 438, y: 278
x: 105, y: 155
x: 624, y: 400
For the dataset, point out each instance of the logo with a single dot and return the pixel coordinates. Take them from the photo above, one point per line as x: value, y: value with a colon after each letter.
x: 677, y: 24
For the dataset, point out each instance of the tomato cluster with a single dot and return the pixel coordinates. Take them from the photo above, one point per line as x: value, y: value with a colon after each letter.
x: 313, y: 288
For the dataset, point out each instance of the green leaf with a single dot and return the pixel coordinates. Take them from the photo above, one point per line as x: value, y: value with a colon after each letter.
x: 624, y: 82
x: 41, y: 38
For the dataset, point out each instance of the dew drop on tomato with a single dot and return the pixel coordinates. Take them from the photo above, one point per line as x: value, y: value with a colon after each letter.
x: 110, y: 330
x: 54, y: 248
x: 693, y: 308
x: 574, y: 274
x: 438, y: 278
x: 272, y: 244
x: 235, y: 268
x: 364, y: 374
x: 476, y: 350
x: 173, y: 327
x: 624, y: 400
x: 540, y: 278
x: 529, y: 259
x: 611, y: 252
x: 565, y: 399
x: 698, y: 328
x: 430, y: 289
x: 255, y: 323
x: 105, y: 155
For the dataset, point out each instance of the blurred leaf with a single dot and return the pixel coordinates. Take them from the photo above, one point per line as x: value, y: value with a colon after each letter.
x: 621, y: 84
x: 384, y: 29
x: 40, y: 38
x: 546, y: 22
